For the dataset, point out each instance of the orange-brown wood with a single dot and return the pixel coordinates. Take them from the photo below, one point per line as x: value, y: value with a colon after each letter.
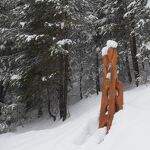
x: 112, y: 90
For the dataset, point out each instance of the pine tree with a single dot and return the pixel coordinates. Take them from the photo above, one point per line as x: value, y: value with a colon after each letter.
x: 41, y: 42
x: 136, y: 18
x: 84, y: 49
x: 112, y: 25
x: 9, y: 108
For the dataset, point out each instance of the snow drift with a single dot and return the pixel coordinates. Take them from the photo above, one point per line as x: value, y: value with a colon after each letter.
x: 130, y: 129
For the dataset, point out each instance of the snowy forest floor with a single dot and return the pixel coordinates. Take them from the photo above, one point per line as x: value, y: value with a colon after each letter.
x: 130, y: 129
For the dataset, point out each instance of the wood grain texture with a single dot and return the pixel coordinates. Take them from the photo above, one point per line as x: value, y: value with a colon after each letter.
x: 112, y: 90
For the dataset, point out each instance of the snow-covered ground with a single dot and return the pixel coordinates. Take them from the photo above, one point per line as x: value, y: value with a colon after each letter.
x: 148, y: 3
x: 130, y: 129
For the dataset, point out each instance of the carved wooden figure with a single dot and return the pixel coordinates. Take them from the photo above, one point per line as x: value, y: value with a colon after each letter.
x: 112, y: 90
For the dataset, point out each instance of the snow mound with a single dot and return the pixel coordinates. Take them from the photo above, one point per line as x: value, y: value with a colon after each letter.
x: 96, y: 139
x: 90, y: 134
x: 130, y: 128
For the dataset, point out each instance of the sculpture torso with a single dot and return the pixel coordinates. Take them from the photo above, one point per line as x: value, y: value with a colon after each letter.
x: 112, y: 90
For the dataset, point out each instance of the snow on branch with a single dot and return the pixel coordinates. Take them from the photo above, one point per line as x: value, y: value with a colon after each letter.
x: 28, y: 38
x: 91, y: 18
x: 63, y: 42
x: 15, y: 77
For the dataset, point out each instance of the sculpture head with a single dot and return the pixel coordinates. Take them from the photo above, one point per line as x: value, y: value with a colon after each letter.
x: 112, y: 54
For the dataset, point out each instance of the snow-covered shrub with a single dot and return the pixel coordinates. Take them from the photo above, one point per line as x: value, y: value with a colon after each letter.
x: 10, y: 116
x: 4, y: 128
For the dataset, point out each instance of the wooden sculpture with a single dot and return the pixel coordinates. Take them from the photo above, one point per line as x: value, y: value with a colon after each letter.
x: 112, y: 90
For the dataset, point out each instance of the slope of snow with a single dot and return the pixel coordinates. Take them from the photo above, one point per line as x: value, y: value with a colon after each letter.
x: 148, y: 3
x: 130, y: 129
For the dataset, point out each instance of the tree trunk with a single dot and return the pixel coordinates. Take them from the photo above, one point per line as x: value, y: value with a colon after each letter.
x: 80, y: 81
x: 134, y: 58
x: 5, y: 90
x: 1, y: 91
x: 128, y: 69
x: 40, y: 111
x: 66, y: 77
x: 128, y: 65
x: 97, y: 74
x: 49, y: 105
x: 61, y: 88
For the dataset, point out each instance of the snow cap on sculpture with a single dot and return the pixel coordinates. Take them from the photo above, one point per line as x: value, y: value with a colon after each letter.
x: 104, y: 51
x: 109, y: 44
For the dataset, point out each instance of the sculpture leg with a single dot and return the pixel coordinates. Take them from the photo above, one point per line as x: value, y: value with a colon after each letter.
x: 119, y: 96
x: 111, y: 113
x: 112, y: 96
x: 104, y: 105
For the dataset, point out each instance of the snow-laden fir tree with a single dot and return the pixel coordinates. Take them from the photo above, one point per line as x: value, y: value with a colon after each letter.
x: 43, y: 45
x: 84, y: 50
x: 137, y: 18
x: 111, y: 25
